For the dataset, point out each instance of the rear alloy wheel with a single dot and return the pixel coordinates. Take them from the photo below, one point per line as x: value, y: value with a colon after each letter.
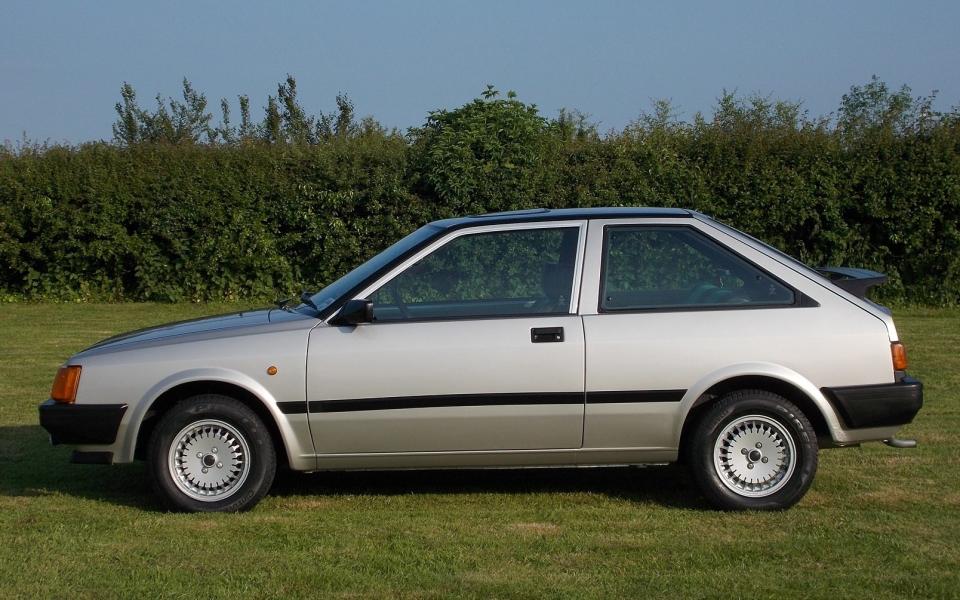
x: 211, y: 453
x: 755, y: 450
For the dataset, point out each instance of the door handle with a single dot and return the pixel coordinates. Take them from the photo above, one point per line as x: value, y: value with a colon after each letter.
x: 542, y: 335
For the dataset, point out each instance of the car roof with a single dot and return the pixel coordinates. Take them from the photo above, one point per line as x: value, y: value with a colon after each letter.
x: 553, y: 214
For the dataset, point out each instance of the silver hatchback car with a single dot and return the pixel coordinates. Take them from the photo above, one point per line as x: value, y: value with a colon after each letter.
x: 529, y: 338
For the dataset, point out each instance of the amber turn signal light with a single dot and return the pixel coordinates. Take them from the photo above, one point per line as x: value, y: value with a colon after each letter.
x: 899, y: 354
x: 65, y: 384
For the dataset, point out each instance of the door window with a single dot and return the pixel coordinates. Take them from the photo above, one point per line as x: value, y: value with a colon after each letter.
x: 500, y: 273
x: 649, y: 267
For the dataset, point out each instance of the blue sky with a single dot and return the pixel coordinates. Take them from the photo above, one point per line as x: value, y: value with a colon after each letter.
x: 62, y: 63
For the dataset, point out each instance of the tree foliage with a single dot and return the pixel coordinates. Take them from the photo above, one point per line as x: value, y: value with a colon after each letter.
x: 171, y: 122
x: 485, y: 155
x: 178, y: 207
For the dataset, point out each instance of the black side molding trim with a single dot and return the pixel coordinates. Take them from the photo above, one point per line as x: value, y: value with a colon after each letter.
x: 880, y: 405
x: 533, y: 398
x: 81, y: 423
x: 402, y: 402
x: 293, y: 408
x: 635, y: 396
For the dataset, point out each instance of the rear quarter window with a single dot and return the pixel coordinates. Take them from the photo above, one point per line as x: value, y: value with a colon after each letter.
x: 662, y: 267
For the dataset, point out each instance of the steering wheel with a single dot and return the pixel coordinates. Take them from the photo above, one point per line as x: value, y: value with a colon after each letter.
x: 697, y: 294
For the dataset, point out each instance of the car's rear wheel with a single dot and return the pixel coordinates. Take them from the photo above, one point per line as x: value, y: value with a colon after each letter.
x: 211, y: 453
x: 753, y: 449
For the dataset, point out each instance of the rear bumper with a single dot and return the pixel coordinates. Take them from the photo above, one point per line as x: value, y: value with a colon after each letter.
x: 81, y: 423
x: 882, y: 405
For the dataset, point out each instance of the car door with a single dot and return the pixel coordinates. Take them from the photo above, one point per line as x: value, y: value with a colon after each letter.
x: 475, y: 345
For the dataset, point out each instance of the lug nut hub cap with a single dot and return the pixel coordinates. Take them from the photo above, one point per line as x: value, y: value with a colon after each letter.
x: 755, y: 456
x: 209, y: 460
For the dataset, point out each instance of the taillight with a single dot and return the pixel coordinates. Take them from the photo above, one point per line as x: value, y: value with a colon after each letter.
x: 899, y: 355
x: 65, y: 384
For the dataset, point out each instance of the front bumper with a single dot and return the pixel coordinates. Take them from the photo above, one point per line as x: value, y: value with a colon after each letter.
x: 882, y: 405
x: 81, y: 423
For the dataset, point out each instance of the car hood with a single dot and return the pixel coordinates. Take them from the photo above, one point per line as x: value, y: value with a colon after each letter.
x: 223, y: 323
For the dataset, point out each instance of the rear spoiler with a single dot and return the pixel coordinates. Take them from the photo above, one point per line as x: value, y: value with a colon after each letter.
x: 856, y: 281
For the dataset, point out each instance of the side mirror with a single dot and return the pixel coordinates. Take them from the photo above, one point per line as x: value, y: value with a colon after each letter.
x: 354, y: 312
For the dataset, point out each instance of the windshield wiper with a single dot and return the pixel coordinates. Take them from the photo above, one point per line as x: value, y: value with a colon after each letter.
x: 307, y: 298
x: 284, y: 304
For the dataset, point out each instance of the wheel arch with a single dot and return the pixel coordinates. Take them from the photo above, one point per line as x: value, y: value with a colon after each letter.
x: 169, y: 398
x: 772, y: 378
x: 173, y: 389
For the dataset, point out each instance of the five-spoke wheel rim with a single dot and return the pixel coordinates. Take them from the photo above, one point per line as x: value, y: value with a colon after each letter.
x: 209, y: 460
x: 755, y: 456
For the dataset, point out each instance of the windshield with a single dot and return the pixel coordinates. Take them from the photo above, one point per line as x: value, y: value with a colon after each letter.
x: 358, y: 276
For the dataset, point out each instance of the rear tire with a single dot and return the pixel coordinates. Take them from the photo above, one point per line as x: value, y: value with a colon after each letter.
x: 753, y: 450
x: 211, y: 453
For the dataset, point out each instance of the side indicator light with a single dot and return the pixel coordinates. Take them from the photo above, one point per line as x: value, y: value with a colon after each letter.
x: 65, y: 384
x: 899, y: 354
x: 271, y: 370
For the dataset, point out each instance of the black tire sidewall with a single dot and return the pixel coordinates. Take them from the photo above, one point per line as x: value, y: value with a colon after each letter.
x: 262, y: 458
x: 754, y: 402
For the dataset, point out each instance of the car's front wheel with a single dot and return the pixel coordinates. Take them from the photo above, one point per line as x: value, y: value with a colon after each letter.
x: 753, y: 449
x: 211, y: 453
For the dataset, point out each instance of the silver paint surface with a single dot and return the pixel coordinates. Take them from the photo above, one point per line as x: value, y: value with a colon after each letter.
x: 844, y: 341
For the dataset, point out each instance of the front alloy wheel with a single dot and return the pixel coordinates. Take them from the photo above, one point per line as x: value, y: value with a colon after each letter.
x: 211, y: 453
x: 209, y: 460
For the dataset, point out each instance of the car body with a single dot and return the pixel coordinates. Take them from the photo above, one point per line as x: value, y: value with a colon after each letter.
x: 529, y: 338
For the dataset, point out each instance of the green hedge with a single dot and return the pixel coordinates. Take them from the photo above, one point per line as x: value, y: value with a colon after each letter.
x: 877, y: 187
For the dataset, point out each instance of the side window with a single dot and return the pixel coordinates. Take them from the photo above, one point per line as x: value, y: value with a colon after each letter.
x: 664, y: 267
x: 514, y: 272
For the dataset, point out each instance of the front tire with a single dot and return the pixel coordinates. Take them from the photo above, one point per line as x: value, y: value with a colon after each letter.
x: 753, y: 450
x: 211, y: 453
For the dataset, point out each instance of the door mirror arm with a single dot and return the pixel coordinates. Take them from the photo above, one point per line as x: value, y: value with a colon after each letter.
x: 354, y: 312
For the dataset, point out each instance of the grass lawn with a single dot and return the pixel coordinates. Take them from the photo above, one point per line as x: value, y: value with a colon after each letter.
x: 878, y: 522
